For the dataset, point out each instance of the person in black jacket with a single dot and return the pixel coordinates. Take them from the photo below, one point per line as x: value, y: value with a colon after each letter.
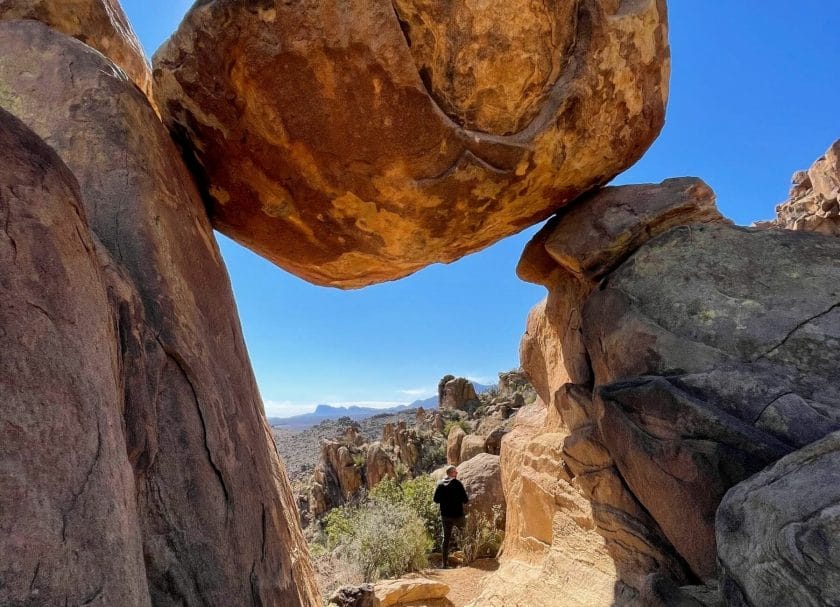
x: 451, y: 496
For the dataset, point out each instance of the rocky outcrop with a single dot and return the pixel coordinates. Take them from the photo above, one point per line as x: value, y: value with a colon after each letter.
x: 100, y: 24
x: 68, y: 513
x: 370, y: 139
x: 814, y: 200
x: 455, y: 392
x: 349, y: 464
x: 482, y: 479
x: 709, y: 351
x: 213, y: 505
x: 778, y: 533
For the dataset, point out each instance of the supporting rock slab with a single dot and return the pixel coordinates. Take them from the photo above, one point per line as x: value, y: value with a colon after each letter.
x: 215, y: 509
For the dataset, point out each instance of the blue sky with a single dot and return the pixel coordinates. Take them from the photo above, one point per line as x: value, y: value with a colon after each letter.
x: 754, y: 94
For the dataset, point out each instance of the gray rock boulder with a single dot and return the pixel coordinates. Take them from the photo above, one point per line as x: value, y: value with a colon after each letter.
x: 778, y: 532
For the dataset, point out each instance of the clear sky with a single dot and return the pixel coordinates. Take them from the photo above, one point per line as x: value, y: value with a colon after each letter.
x: 754, y: 96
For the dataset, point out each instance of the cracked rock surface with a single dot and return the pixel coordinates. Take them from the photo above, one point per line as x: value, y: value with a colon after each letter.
x: 356, y: 142
x: 67, y: 505
x: 214, y: 508
x: 674, y: 359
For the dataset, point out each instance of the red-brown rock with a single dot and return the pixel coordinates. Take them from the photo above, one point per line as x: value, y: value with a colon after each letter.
x: 357, y: 142
x: 101, y: 24
x: 814, y: 202
x: 69, y: 532
x: 215, y: 509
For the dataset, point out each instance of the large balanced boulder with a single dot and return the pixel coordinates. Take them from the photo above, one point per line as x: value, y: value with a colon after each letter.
x: 214, y: 505
x: 357, y: 142
x: 69, y: 532
x: 101, y: 24
x: 778, y: 532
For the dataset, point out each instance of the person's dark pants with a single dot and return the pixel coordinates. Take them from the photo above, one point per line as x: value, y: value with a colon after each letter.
x: 451, y: 525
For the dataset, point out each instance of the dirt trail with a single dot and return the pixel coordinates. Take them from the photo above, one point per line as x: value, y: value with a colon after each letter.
x: 465, y: 583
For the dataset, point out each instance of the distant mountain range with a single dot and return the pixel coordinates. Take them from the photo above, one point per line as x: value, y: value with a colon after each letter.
x: 323, y: 411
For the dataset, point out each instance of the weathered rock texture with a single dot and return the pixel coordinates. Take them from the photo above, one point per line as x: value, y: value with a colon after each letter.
x: 101, y: 24
x: 213, y: 504
x: 814, y: 201
x: 356, y: 142
x: 482, y: 479
x: 455, y: 392
x: 699, y: 357
x: 453, y: 445
x: 778, y: 532
x: 409, y: 591
x: 68, y: 505
x: 349, y: 464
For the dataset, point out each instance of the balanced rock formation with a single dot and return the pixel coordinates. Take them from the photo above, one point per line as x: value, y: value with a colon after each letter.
x: 814, y: 201
x: 674, y: 362
x: 209, y: 495
x: 357, y: 142
x: 778, y: 531
x: 100, y: 24
x: 455, y: 392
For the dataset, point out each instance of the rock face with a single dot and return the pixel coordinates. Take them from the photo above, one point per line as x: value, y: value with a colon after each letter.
x: 814, y: 202
x: 353, y: 143
x: 482, y: 479
x: 213, y: 505
x: 455, y: 392
x: 453, y: 445
x: 672, y: 368
x: 471, y: 445
x: 778, y: 531
x: 100, y: 24
x: 66, y: 477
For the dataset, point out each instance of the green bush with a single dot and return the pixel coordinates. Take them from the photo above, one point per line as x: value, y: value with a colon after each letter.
x: 432, y: 456
x: 385, y: 539
x: 416, y: 494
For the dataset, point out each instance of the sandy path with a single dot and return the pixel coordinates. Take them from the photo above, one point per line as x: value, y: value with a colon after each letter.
x: 465, y: 583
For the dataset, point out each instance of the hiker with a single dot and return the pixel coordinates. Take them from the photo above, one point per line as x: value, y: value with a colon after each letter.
x: 451, y: 496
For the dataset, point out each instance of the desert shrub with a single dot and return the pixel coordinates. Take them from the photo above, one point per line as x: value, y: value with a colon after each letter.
x: 383, y: 535
x: 432, y: 456
x: 482, y: 537
x: 384, y: 539
x: 333, y: 572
